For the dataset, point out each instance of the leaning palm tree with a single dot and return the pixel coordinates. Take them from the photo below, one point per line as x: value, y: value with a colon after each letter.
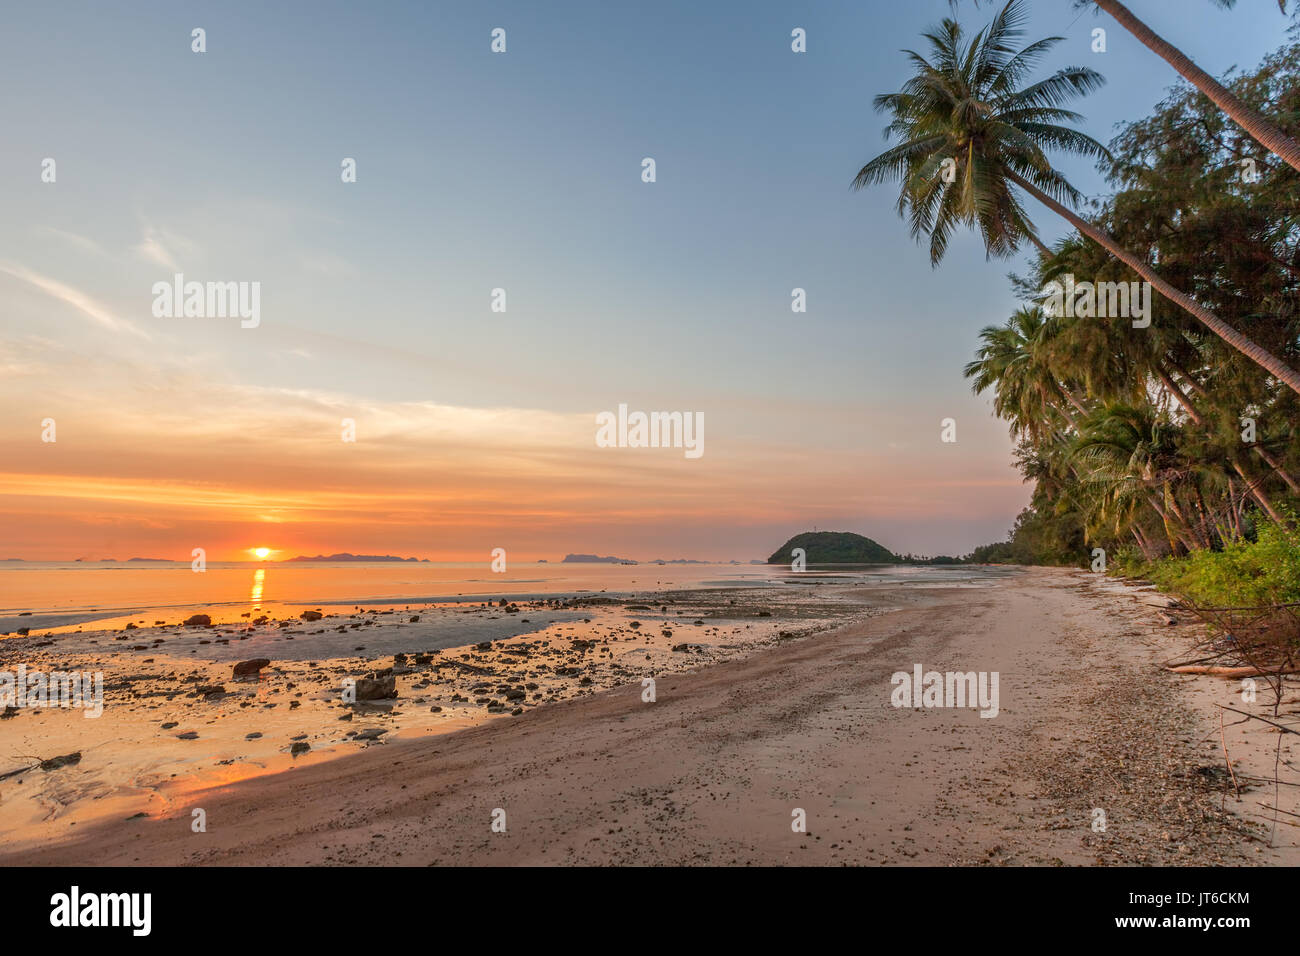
x: 1013, y: 361
x: 970, y: 132
x: 1261, y: 129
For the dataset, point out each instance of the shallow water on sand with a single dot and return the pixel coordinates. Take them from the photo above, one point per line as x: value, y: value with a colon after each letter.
x: 50, y: 595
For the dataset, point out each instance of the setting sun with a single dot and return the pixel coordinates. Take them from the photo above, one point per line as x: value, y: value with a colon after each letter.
x: 261, y: 553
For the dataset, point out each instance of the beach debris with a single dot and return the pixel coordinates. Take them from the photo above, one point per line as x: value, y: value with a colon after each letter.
x: 251, y: 668
x: 67, y: 760
x: 382, y: 688
x: 1229, y: 672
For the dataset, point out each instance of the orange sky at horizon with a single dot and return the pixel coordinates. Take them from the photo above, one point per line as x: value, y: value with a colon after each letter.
x: 438, y: 482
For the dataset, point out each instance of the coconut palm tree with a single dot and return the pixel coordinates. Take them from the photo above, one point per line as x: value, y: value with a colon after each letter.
x: 1014, y: 361
x: 1264, y: 131
x: 970, y: 132
x: 1261, y: 129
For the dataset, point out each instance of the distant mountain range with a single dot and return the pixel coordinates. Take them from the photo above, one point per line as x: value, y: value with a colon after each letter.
x: 345, y: 556
x: 593, y: 559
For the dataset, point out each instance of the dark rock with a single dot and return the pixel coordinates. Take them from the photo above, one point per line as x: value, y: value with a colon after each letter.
x: 383, y: 688
x: 250, y: 668
x: 198, y: 620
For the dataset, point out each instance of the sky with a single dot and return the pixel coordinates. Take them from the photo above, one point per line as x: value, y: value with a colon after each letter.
x: 522, y: 171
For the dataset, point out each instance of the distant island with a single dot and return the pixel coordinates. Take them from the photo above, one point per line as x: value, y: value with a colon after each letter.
x: 593, y: 559
x: 345, y: 556
x: 834, y: 547
x: 845, y: 547
x: 678, y: 561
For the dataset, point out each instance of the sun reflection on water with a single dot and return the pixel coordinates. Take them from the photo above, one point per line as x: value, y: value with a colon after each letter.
x: 259, y: 579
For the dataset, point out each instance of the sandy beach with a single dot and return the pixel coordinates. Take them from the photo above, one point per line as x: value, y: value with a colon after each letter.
x: 759, y: 712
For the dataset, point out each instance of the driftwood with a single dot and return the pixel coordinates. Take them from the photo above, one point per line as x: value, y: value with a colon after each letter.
x: 1217, y: 671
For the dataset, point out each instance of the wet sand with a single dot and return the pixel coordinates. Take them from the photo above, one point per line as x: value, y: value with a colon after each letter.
x: 176, y: 719
x: 712, y: 771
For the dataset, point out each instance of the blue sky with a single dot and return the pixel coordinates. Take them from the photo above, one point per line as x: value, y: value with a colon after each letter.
x: 522, y: 171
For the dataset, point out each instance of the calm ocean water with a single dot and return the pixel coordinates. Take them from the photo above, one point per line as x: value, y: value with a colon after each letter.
x: 53, y: 594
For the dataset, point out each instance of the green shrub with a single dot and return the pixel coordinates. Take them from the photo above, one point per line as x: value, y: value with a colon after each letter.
x: 1128, y: 562
x: 1243, y: 574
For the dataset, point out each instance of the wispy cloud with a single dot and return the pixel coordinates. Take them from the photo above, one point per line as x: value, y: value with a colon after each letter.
x: 162, y: 247
x: 84, y: 243
x: 92, y: 309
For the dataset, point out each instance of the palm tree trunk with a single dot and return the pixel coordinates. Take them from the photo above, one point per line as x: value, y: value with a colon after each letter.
x: 1181, y: 397
x: 1065, y: 412
x: 1188, y: 531
x: 1196, y: 416
x: 1209, y: 527
x: 1078, y: 406
x: 1148, y: 552
x: 1259, y: 495
x: 1164, y: 520
x: 1236, y: 508
x: 1252, y: 122
x: 1187, y: 377
x: 1277, y: 467
x: 1275, y: 366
